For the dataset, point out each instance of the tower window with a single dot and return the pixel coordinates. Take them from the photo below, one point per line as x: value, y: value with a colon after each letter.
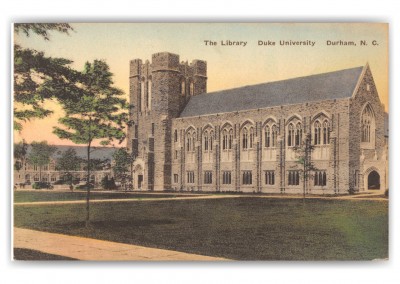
x: 152, y: 129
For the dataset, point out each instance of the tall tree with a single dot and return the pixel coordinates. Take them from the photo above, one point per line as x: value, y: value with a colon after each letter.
x: 122, y: 166
x: 40, y: 155
x: 303, y: 158
x: 42, y: 29
x: 98, y: 115
x: 67, y: 163
x: 20, y: 152
x: 37, y: 77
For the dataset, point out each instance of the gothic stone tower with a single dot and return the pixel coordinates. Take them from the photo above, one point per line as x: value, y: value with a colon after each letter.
x: 159, y: 91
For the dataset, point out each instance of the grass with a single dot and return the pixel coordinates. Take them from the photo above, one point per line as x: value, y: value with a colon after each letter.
x: 35, y: 196
x: 246, y: 228
x: 28, y: 254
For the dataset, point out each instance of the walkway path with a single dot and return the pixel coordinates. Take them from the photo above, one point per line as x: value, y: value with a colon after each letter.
x: 92, y: 249
x: 125, y: 200
x: 366, y: 196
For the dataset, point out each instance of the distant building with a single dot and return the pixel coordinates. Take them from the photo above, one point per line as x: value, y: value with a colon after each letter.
x: 30, y: 173
x: 243, y: 139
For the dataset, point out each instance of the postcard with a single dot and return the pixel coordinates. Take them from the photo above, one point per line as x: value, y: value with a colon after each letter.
x: 200, y: 141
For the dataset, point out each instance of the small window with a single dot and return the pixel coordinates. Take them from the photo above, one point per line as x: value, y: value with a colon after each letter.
x: 226, y: 177
x: 247, y: 177
x: 270, y: 177
x: 320, y: 178
x: 176, y: 135
x: 152, y: 129
x: 293, y: 178
x: 176, y: 154
x: 136, y: 131
x: 207, y: 177
x: 175, y: 178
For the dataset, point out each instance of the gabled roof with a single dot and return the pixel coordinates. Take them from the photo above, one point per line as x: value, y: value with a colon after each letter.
x: 326, y: 86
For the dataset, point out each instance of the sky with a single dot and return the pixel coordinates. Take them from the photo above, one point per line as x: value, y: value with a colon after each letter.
x: 228, y: 66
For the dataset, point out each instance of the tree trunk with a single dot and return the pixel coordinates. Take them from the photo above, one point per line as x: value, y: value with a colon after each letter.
x: 87, y: 222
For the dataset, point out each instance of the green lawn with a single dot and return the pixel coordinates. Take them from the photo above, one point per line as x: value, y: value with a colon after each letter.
x: 35, y: 196
x: 246, y: 228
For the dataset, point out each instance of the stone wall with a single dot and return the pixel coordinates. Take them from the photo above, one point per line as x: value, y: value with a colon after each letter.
x: 337, y: 166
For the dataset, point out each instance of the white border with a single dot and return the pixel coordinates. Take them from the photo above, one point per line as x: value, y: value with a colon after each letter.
x: 206, y: 11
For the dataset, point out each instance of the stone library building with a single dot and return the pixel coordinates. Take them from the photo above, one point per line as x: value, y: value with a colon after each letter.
x: 251, y: 139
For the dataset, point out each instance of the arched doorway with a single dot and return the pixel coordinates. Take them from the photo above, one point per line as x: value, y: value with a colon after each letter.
x: 374, y: 182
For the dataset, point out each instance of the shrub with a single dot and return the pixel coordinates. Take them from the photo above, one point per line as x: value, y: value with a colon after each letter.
x: 42, y: 184
x: 85, y: 187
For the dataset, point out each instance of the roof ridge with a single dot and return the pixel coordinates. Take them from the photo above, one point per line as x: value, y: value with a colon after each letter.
x: 337, y: 84
x: 282, y: 80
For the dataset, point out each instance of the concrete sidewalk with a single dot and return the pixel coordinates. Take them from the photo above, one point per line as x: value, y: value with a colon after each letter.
x: 97, y: 250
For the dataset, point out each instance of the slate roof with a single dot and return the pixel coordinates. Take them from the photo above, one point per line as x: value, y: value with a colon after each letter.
x: 96, y: 152
x: 326, y: 86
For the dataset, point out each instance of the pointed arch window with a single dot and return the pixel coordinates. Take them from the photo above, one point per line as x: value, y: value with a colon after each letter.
x: 190, y: 141
x: 245, y: 137
x: 325, y: 127
x: 298, y: 136
x: 205, y: 137
x: 317, y: 133
x: 274, y: 132
x: 224, y: 139
x: 290, y: 141
x: 193, y: 141
x: 367, y: 125
x: 267, y: 136
x: 270, y: 135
